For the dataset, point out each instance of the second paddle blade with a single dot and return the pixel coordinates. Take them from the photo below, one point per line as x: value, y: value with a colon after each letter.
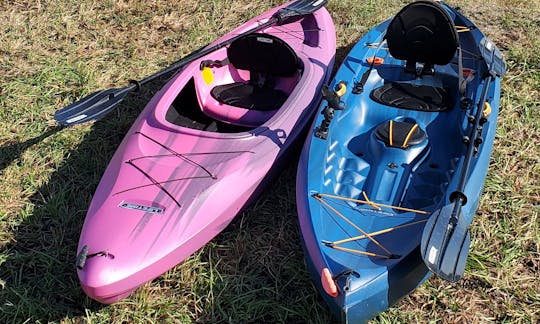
x: 445, y: 247
x: 299, y: 8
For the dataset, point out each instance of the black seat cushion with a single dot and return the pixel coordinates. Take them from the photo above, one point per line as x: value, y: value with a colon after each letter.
x: 263, y: 53
x: 413, y: 97
x: 423, y: 32
x: 266, y: 57
x: 400, y: 134
x: 245, y: 95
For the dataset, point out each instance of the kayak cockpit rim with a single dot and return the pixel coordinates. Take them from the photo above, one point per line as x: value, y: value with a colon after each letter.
x: 177, y: 85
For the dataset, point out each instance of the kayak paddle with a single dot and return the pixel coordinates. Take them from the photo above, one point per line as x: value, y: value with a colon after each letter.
x: 98, y: 104
x: 446, y: 239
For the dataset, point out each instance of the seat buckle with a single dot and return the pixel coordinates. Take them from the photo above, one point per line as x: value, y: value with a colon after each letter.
x: 419, y: 69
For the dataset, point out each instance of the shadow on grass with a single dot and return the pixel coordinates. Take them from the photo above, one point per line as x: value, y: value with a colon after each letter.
x: 41, y: 283
x: 258, y: 260
x: 11, y: 152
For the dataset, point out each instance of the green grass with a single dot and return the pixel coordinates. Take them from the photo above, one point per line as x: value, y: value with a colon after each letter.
x: 56, y: 51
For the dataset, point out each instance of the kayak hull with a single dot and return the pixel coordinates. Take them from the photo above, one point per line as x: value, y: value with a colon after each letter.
x: 362, y: 200
x: 176, y: 181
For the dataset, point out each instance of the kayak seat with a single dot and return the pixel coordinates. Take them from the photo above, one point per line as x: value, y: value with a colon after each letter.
x: 267, y: 58
x: 422, y: 32
x: 400, y: 134
x: 413, y: 97
x: 249, y: 96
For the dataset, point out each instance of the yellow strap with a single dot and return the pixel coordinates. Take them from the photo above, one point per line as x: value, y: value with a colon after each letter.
x: 380, y: 205
x: 360, y: 252
x: 406, y: 141
x: 369, y: 202
x: 207, y: 75
x: 463, y: 29
x: 390, y: 133
x: 386, y: 230
x: 352, y: 224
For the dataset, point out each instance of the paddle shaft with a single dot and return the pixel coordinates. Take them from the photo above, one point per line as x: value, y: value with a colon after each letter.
x: 203, y: 51
x: 97, y: 104
x: 280, y: 17
x: 472, y: 145
x: 496, y: 66
x: 446, y: 239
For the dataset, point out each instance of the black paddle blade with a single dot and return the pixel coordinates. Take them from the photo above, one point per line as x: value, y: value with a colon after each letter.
x: 299, y: 8
x: 444, y: 246
x: 492, y: 56
x: 91, y: 107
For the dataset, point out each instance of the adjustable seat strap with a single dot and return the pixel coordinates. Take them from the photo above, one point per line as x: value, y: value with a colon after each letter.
x: 214, y: 63
x: 391, y: 133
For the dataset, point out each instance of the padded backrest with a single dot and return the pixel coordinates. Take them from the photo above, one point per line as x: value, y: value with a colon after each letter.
x: 263, y: 53
x: 423, y: 32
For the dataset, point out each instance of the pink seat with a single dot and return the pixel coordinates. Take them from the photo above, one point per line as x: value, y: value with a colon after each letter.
x: 273, y: 67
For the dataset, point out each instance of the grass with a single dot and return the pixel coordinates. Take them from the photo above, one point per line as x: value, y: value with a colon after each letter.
x: 54, y: 52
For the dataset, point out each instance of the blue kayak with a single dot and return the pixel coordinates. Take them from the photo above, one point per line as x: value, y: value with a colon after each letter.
x: 391, y: 175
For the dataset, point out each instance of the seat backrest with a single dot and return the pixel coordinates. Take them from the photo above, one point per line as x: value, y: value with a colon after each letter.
x: 423, y: 32
x: 263, y: 53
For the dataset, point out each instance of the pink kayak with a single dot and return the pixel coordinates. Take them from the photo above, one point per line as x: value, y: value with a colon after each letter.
x: 201, y: 150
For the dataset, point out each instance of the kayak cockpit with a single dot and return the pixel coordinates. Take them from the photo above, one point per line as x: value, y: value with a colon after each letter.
x: 242, y: 86
x: 186, y: 112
